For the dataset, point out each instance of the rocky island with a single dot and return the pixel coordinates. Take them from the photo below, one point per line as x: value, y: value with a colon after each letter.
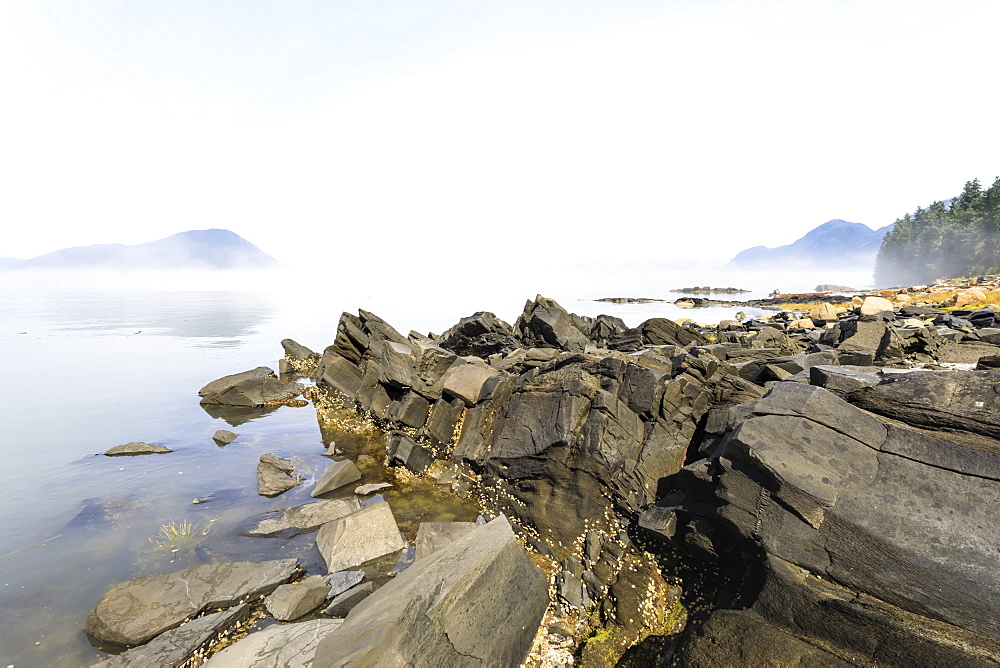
x: 815, y: 488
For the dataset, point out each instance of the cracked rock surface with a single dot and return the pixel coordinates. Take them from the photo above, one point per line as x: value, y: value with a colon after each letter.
x: 285, y: 645
x: 134, y: 611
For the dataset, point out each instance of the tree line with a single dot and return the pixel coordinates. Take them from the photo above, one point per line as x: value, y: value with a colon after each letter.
x: 958, y: 237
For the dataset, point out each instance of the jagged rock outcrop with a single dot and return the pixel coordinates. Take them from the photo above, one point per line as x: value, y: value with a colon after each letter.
x: 873, y: 543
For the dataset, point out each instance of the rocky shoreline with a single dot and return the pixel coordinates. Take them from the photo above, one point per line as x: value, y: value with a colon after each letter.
x: 814, y: 488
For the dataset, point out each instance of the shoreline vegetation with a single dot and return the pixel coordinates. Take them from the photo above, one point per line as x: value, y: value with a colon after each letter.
x: 670, y: 492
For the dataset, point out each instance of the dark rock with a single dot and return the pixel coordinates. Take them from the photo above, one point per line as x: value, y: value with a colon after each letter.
x: 258, y: 387
x: 175, y: 647
x: 546, y: 323
x: 338, y: 373
x: 841, y: 379
x: 469, y: 382
x: 967, y: 401
x: 443, y: 420
x: 364, y: 535
x: 478, y: 601
x: 403, y: 450
x: 137, y: 448
x: 480, y: 335
x: 661, y: 331
x: 134, y: 611
x: 274, y: 476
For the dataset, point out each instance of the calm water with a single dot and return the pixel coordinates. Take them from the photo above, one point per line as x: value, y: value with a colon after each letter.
x: 84, y: 371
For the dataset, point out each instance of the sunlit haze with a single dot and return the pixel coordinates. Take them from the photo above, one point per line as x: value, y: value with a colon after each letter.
x: 461, y: 142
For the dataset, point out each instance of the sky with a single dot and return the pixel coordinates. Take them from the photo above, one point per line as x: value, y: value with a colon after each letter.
x: 456, y: 137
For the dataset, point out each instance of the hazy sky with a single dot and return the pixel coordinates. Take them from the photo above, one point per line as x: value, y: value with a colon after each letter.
x: 449, y: 134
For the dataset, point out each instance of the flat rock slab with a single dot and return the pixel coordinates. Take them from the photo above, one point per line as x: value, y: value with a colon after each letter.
x: 257, y: 387
x: 371, y: 488
x: 291, y: 601
x: 134, y: 611
x: 306, y: 518
x: 432, y: 536
x: 174, y: 647
x: 336, y: 476
x: 285, y: 645
x: 367, y: 534
x: 137, y: 448
x: 479, y: 601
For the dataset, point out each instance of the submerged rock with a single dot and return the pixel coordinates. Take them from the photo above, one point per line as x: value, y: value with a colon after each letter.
x: 134, y: 611
x: 305, y: 518
x: 137, y: 448
x: 224, y: 437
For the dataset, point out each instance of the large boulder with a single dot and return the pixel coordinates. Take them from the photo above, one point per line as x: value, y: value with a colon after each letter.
x: 477, y: 602
x: 134, y: 611
x: 257, y: 387
x: 367, y: 534
x: 547, y: 324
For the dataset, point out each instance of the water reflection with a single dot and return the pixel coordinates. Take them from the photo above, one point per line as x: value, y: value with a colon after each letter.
x: 217, y: 317
x: 234, y: 416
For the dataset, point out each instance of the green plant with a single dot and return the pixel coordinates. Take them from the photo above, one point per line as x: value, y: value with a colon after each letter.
x: 179, y: 536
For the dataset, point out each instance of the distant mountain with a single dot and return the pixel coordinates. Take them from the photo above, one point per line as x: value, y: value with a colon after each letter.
x: 836, y: 241
x: 194, y: 249
x: 9, y: 262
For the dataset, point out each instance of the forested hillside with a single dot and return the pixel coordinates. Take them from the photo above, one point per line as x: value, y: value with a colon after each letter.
x: 947, y: 239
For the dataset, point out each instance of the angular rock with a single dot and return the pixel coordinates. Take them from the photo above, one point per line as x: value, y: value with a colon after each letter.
x: 134, y: 611
x: 468, y: 382
x: 291, y: 601
x: 305, y: 518
x: 410, y: 411
x: 371, y: 488
x: 873, y: 305
x: 137, y: 448
x: 343, y: 603
x: 341, y: 581
x: 404, y: 450
x: 224, y: 437
x: 367, y: 534
x: 297, y: 350
x: 336, y: 476
x: 338, y: 373
x: 432, y: 536
x: 274, y: 476
x: 841, y: 379
x: 257, y: 387
x: 174, y: 647
x: 443, y: 420
x: 546, y: 322
x: 478, y: 601
x: 286, y: 645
